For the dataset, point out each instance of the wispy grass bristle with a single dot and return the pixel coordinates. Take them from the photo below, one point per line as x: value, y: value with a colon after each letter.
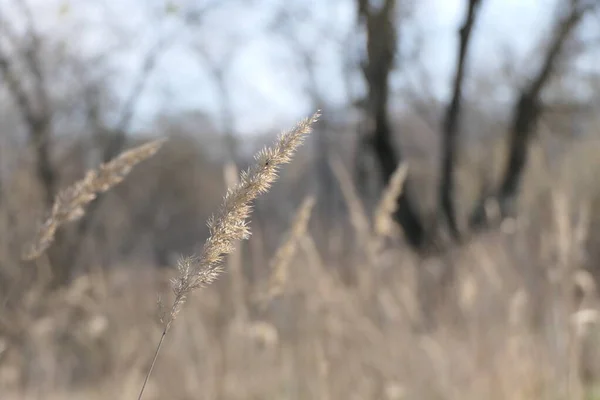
x: 230, y: 223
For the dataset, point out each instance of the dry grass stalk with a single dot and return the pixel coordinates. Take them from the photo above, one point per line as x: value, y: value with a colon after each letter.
x: 328, y: 291
x: 358, y: 216
x: 70, y: 202
x: 329, y: 297
x: 230, y: 223
x: 384, y: 225
x: 285, y: 253
x: 234, y: 262
x: 362, y: 226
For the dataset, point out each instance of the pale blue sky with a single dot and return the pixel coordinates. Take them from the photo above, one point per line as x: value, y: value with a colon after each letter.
x: 265, y: 81
x: 268, y: 83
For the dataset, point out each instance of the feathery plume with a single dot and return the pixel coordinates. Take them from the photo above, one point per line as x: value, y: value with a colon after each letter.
x: 229, y: 225
x: 70, y: 202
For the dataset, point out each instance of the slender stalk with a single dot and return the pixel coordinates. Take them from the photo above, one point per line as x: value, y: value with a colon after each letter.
x: 162, y: 339
x: 229, y: 225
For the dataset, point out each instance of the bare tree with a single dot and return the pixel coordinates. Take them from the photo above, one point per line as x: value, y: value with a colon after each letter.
x: 34, y: 104
x: 379, y: 62
x: 218, y: 59
x: 23, y: 67
x: 24, y: 74
x: 112, y: 139
x: 218, y: 69
x: 451, y: 127
x: 119, y: 136
x: 116, y: 135
x: 527, y: 111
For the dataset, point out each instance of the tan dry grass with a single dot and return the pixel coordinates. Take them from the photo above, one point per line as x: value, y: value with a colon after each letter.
x: 483, y: 343
x: 280, y: 263
x: 482, y: 346
x: 384, y: 225
x: 70, y: 202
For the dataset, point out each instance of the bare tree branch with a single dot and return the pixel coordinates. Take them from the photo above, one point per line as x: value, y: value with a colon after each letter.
x: 34, y: 108
x: 118, y: 134
x: 381, y: 52
x: 218, y: 70
x: 127, y: 113
x: 451, y: 124
x: 32, y: 54
x: 527, y: 111
x: 284, y: 25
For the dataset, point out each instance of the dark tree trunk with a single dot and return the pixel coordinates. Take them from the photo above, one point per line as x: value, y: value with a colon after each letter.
x: 44, y: 169
x: 524, y: 125
x: 381, y: 51
x: 526, y: 115
x: 389, y: 158
x: 451, y: 126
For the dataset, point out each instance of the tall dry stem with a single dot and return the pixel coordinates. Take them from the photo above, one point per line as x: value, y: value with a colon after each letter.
x: 229, y: 225
x: 383, y: 224
x: 279, y: 264
x: 358, y: 216
x: 234, y: 262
